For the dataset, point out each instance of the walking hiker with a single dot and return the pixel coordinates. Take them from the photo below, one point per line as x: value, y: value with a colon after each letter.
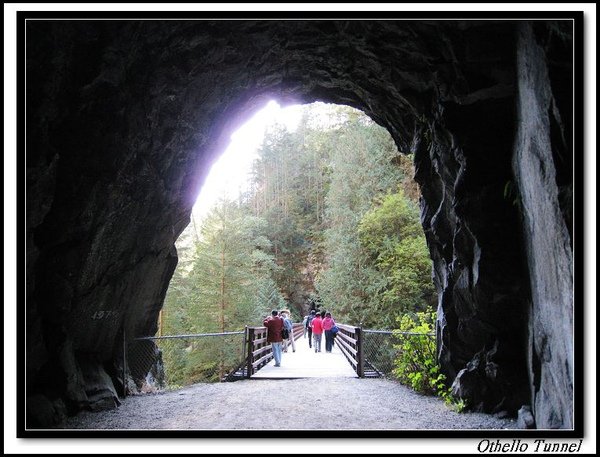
x: 328, y: 324
x: 287, y: 322
x: 304, y: 326
x: 274, y: 326
x: 317, y: 329
x: 309, y: 319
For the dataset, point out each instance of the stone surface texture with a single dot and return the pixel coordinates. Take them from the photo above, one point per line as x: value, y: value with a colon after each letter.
x: 124, y: 118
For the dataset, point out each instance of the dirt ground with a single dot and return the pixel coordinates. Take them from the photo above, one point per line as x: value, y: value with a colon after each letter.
x: 288, y: 404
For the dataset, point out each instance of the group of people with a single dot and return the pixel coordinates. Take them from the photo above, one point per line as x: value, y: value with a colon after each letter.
x: 315, y: 325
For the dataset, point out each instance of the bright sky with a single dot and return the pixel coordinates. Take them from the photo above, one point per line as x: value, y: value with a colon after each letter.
x: 229, y: 174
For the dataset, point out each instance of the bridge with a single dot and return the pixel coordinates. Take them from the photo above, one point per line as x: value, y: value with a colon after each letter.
x: 304, y: 363
x: 156, y: 362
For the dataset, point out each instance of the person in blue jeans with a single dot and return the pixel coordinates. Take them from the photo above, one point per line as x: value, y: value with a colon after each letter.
x: 274, y: 326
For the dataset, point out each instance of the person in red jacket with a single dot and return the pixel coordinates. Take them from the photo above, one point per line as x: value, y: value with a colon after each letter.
x: 274, y: 326
x: 317, y: 330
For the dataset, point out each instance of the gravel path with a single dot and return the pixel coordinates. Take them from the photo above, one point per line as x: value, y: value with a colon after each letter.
x: 292, y: 404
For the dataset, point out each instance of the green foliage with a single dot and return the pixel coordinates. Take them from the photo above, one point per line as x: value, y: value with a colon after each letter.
x: 194, y: 360
x: 288, y: 191
x: 362, y: 169
x: 226, y: 283
x: 391, y: 235
x: 232, y: 271
x: 324, y: 217
x: 392, y: 216
x: 416, y: 365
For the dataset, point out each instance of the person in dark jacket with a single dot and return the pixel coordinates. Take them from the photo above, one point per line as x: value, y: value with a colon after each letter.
x: 308, y: 326
x: 274, y: 326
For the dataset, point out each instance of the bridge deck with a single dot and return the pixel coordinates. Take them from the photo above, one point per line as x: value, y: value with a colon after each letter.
x: 305, y: 363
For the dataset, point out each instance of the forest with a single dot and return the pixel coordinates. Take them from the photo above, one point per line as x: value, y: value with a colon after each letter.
x: 329, y: 219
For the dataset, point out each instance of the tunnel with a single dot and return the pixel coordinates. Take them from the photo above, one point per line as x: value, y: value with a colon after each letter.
x: 124, y: 118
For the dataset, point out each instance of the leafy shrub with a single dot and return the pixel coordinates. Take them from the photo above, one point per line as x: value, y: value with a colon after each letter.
x: 416, y: 365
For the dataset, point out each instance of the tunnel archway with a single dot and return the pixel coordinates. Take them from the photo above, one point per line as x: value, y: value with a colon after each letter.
x: 124, y: 118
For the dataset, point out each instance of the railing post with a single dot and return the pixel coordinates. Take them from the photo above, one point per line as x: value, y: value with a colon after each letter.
x: 250, y: 341
x: 360, y: 357
x: 244, y: 342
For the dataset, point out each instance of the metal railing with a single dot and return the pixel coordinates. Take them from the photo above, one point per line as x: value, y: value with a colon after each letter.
x: 170, y: 362
x: 381, y: 348
x: 258, y: 351
x: 372, y: 353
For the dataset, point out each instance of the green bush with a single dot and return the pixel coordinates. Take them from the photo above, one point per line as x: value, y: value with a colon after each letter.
x: 416, y: 365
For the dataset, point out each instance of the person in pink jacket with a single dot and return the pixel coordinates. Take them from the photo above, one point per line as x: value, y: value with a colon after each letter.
x: 317, y: 331
x: 328, y: 323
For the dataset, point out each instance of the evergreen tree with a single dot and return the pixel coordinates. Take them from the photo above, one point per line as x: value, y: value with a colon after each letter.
x: 229, y: 285
x: 232, y: 259
x: 362, y: 169
x: 392, y: 236
x: 289, y: 185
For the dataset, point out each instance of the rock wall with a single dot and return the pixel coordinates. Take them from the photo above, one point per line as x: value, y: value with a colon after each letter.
x: 543, y: 155
x: 473, y: 231
x: 124, y: 119
x: 463, y: 165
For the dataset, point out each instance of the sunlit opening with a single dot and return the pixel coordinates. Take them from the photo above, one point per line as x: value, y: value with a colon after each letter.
x: 228, y: 177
